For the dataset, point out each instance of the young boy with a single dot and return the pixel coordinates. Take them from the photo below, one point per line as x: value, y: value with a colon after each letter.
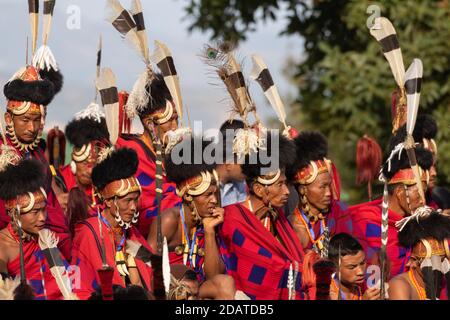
x: 350, y: 260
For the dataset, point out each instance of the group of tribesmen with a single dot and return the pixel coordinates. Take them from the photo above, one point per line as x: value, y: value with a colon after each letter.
x: 147, y: 216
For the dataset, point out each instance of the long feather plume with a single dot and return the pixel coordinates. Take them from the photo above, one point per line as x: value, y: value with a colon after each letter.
x: 106, y: 85
x: 49, y: 6
x: 413, y: 83
x: 138, y: 17
x: 384, y: 32
x: 48, y: 244
x: 124, y: 23
x: 166, y: 267
x: 261, y: 74
x: 33, y: 11
x: 163, y: 59
x: 221, y: 58
x: 98, y: 64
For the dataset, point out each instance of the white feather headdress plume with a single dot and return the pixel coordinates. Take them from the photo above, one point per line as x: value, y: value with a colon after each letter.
x: 261, y: 74
x: 384, y: 33
x: 106, y: 85
x: 49, y: 6
x: 163, y: 59
x: 413, y: 84
x: 220, y: 56
x: 43, y: 58
x: 48, y: 244
x: 138, y: 17
x: 33, y: 11
x: 126, y: 25
x: 166, y: 267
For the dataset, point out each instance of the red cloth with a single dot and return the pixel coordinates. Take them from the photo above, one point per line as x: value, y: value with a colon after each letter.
x: 56, y: 219
x: 256, y: 260
x: 34, y: 259
x: 88, y: 258
x: 178, y: 259
x: 146, y: 176
x: 366, y: 222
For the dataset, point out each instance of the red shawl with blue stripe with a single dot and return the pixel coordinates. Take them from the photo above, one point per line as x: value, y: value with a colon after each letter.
x: 256, y: 260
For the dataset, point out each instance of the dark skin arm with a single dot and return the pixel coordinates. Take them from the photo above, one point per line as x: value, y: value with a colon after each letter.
x: 169, y: 228
x: 213, y: 264
x: 399, y: 289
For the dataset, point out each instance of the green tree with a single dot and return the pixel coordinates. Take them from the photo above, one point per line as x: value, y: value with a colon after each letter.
x: 344, y: 81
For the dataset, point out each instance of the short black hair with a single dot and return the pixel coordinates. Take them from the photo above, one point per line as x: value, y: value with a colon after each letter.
x: 345, y: 243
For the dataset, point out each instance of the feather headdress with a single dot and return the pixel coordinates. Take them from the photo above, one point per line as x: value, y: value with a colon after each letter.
x: 48, y: 244
x: 384, y: 32
x: 261, y: 74
x: 131, y: 26
x: 221, y: 58
x: 106, y: 85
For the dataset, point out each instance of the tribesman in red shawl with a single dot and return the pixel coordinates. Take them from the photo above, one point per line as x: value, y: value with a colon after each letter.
x: 402, y: 200
x: 318, y: 211
x: 28, y: 250
x: 427, y: 233
x: 28, y: 93
x: 156, y: 100
x: 191, y: 229
x: 424, y: 134
x: 101, y: 241
x: 88, y: 134
x: 260, y: 249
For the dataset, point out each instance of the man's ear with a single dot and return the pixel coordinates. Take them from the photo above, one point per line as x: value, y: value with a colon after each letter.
x: 8, y: 118
x: 109, y: 203
x: 398, y: 192
x: 258, y: 189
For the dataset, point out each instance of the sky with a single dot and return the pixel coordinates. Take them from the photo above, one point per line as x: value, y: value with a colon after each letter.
x: 75, y: 45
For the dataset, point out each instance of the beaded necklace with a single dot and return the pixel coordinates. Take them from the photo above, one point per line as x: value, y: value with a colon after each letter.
x: 317, y: 243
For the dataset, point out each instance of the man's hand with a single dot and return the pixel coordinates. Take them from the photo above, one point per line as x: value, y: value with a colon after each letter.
x: 213, y: 220
x: 372, y: 294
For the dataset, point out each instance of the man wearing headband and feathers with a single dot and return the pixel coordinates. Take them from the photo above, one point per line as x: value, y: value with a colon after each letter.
x: 28, y: 93
x: 427, y: 233
x: 88, y: 134
x: 318, y: 210
x: 191, y: 229
x: 22, y: 184
x: 158, y: 117
x: 101, y: 241
x: 424, y: 134
x: 260, y: 249
x: 402, y: 200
